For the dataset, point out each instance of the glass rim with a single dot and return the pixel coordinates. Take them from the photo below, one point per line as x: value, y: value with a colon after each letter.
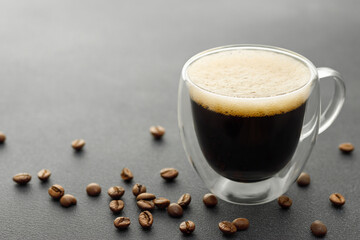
x: 307, y: 62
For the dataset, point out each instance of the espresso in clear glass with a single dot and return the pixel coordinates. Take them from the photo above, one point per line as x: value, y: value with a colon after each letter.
x: 244, y: 133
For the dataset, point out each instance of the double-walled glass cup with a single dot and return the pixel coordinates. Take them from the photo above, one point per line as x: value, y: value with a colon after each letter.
x: 253, y: 159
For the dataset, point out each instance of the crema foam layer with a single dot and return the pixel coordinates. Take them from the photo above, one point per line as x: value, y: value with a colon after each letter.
x: 249, y: 83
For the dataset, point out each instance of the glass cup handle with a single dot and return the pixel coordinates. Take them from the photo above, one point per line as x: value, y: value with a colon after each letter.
x: 328, y: 116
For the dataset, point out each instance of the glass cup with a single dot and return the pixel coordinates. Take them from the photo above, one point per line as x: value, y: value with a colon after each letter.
x: 253, y: 159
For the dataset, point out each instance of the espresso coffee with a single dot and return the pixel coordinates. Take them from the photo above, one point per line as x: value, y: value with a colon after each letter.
x: 248, y: 108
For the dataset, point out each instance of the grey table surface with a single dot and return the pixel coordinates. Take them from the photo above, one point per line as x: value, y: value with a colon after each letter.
x: 107, y: 70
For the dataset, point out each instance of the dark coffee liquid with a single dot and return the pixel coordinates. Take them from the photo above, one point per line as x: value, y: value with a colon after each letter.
x: 247, y: 149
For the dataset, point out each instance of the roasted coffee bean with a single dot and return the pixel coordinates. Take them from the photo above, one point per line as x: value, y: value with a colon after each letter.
x: 318, y: 228
x: 116, y: 206
x: 93, y: 189
x: 44, y: 174
x: 187, y: 227
x: 67, y: 200
x: 303, y: 180
x: 145, y: 204
x: 284, y: 201
x: 337, y: 199
x: 2, y: 137
x: 78, y: 144
x: 227, y: 227
x: 241, y: 223
x: 346, y: 147
x: 162, y: 202
x: 146, y: 219
x: 122, y: 222
x: 210, y: 200
x: 157, y: 131
x: 126, y: 174
x: 22, y: 178
x: 138, y: 188
x: 175, y: 210
x: 169, y: 173
x: 145, y: 196
x: 56, y: 191
x: 116, y: 192
x: 184, y: 200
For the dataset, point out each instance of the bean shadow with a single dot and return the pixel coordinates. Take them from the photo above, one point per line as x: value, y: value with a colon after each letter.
x: 45, y: 184
x: 95, y: 198
x: 347, y: 156
x: 122, y: 230
x: 24, y: 189
x: 79, y: 154
x: 70, y: 209
x: 158, y: 142
x: 169, y: 184
x: 128, y: 183
x: 234, y: 236
x: 338, y: 211
x: 189, y: 236
x: 211, y: 210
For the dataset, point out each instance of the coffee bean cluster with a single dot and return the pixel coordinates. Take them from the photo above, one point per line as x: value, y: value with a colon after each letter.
x: 56, y: 191
x: 238, y: 224
x: 148, y: 201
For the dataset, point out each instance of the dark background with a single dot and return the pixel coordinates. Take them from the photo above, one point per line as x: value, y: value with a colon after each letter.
x: 106, y: 71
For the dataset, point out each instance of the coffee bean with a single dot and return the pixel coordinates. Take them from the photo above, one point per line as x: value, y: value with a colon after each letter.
x: 146, y: 219
x: 22, y: 178
x: 241, y: 223
x: 138, y: 188
x: 169, y: 173
x: 318, y: 228
x: 126, y: 174
x: 162, y: 202
x: 2, y: 137
x: 145, y: 196
x: 184, y: 200
x: 303, y: 180
x: 187, y: 227
x: 78, y: 144
x: 284, y: 201
x: 210, y: 200
x: 346, y: 147
x: 116, y: 206
x: 337, y: 199
x: 67, y: 200
x: 116, y: 192
x: 56, y: 191
x: 122, y: 222
x: 93, y: 189
x: 157, y: 131
x: 44, y: 174
x: 227, y: 227
x: 175, y: 210
x: 145, y: 204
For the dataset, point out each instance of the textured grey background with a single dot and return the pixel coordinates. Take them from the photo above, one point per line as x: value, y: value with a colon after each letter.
x: 107, y: 70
